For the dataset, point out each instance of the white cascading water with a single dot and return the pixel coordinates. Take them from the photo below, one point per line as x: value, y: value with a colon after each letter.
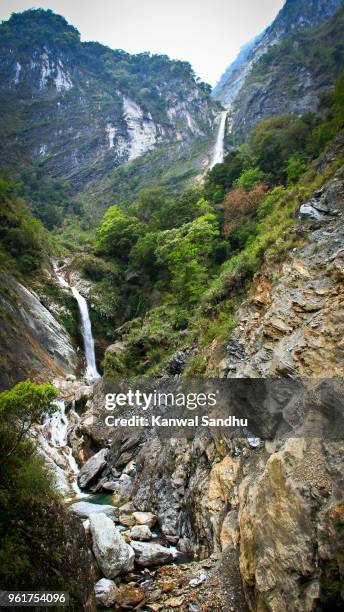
x: 86, y: 330
x: 56, y: 426
x: 219, y: 149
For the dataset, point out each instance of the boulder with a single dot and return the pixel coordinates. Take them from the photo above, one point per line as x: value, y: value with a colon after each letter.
x: 141, y: 532
x: 106, y: 593
x: 127, y: 508
x: 109, y: 485
x: 92, y: 467
x: 85, y: 509
x: 131, y: 560
x: 123, y: 490
x: 145, y: 518
x: 149, y: 555
x: 113, y: 554
x: 130, y: 469
x: 127, y: 520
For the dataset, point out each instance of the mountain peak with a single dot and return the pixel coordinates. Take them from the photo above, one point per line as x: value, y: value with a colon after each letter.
x: 34, y: 25
x: 298, y: 14
x: 295, y: 16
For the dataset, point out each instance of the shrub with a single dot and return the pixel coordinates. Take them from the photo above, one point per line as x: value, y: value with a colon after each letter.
x: 249, y: 178
x: 241, y: 203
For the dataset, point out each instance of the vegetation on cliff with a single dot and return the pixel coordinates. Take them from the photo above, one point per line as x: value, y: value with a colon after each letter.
x: 24, y: 242
x: 292, y: 68
x: 42, y: 544
x: 180, y: 266
x: 85, y: 120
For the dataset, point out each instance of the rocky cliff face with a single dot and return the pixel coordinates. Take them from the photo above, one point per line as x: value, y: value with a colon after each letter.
x: 33, y: 344
x: 272, y: 514
x: 82, y: 109
x: 255, y: 88
x: 294, y: 325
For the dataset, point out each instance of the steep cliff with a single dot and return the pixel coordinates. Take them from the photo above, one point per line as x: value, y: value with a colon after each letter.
x: 33, y: 343
x: 292, y: 324
x: 288, y: 68
x: 80, y: 110
x: 269, y: 511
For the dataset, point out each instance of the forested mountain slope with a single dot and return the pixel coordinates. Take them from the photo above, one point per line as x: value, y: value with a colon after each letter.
x: 80, y: 110
x: 289, y: 67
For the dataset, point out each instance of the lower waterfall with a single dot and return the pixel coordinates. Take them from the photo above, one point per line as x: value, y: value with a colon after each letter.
x: 55, y: 428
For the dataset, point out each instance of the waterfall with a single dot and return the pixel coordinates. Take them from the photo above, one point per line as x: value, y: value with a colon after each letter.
x: 53, y: 433
x: 86, y: 330
x: 218, y: 154
x: 56, y: 426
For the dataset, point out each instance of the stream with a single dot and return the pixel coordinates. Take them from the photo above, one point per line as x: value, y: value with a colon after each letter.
x: 55, y: 427
x: 160, y: 567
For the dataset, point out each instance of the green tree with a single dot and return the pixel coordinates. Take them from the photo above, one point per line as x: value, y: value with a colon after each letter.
x: 221, y: 178
x: 20, y: 407
x: 275, y: 140
x: 185, y: 251
x: 23, y: 239
x: 295, y: 168
x: 339, y: 104
x: 118, y: 233
x: 249, y: 178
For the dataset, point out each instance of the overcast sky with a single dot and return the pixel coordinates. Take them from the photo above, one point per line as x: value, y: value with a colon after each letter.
x: 206, y: 33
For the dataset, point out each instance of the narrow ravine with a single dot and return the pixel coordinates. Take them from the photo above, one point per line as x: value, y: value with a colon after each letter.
x: 125, y: 535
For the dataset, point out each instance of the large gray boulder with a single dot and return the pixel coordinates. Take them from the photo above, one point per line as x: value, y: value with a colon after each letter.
x: 123, y: 490
x: 145, y: 518
x: 113, y: 554
x: 85, y: 509
x: 106, y: 593
x: 141, y: 532
x: 148, y: 554
x: 92, y: 467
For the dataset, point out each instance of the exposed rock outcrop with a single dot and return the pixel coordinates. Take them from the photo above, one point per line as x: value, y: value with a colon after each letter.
x: 83, y: 114
x: 292, y: 327
x: 92, y: 467
x: 33, y: 343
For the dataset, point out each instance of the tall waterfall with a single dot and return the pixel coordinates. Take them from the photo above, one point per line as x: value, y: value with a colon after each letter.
x: 86, y: 330
x: 219, y: 146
